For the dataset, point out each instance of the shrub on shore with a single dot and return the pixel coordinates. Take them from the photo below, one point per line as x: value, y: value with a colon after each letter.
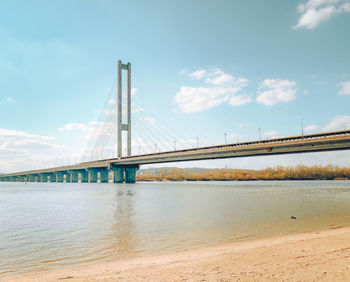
x: 299, y: 172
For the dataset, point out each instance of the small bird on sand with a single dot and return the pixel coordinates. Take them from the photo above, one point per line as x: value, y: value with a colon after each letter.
x: 293, y: 217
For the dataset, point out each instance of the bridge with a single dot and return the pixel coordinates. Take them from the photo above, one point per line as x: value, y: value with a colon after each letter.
x: 124, y: 168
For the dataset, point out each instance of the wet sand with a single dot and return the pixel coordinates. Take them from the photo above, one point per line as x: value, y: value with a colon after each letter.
x: 316, y: 256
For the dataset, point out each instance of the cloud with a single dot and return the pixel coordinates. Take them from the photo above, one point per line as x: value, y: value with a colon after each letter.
x: 75, y: 127
x: 213, y: 76
x: 239, y: 100
x: 21, y: 145
x: 344, y: 88
x: 340, y: 122
x: 10, y: 135
x: 224, y: 88
x: 20, y: 149
x: 311, y: 128
x: 10, y: 100
x: 220, y: 79
x: 314, y: 12
x: 274, y: 91
x: 198, y: 74
x: 91, y: 129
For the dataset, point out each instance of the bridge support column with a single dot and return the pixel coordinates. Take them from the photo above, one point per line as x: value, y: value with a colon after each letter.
x: 124, y: 174
x: 118, y: 174
x: 68, y: 177
x: 52, y: 177
x: 92, y: 175
x: 130, y: 174
x: 84, y: 176
x: 43, y: 177
x: 73, y: 175
x: 59, y: 176
x: 104, y: 175
x: 38, y: 178
x: 30, y: 178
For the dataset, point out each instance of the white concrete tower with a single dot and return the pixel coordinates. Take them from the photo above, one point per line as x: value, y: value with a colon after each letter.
x: 120, y: 125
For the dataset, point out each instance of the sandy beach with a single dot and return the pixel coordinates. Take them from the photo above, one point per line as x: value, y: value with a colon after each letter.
x: 316, y: 256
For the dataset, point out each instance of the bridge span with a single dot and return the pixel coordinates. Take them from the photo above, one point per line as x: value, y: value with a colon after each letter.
x: 124, y: 168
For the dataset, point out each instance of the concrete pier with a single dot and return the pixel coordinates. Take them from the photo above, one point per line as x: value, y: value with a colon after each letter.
x: 92, y: 175
x: 74, y: 176
x: 118, y: 174
x: 84, y: 176
x: 68, y: 177
x: 59, y: 176
x: 104, y: 175
x: 37, y: 178
x: 124, y: 174
x: 52, y: 177
x: 43, y: 177
x: 130, y: 174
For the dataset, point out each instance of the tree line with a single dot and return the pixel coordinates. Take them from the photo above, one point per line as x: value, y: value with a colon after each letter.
x: 299, y: 172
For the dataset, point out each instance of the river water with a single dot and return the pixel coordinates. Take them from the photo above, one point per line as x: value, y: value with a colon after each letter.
x: 49, y: 225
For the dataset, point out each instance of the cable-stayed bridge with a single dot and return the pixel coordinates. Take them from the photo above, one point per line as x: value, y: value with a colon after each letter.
x: 124, y: 167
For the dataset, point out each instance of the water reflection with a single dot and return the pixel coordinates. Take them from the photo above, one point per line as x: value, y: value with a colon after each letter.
x: 123, y: 236
x: 48, y: 225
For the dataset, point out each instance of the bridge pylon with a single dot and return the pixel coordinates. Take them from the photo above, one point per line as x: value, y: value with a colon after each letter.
x: 120, y: 125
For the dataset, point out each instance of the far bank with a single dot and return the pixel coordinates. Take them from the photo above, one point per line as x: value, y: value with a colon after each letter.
x: 299, y: 172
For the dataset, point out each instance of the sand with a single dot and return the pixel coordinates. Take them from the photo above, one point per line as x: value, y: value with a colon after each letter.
x: 316, y: 256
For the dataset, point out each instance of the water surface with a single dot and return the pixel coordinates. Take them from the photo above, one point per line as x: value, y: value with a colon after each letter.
x: 48, y: 225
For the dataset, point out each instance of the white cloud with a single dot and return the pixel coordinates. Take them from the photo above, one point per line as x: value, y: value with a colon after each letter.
x: 239, y: 100
x: 198, y: 74
x: 314, y: 12
x: 311, y: 128
x: 274, y: 91
x: 75, y: 127
x: 21, y: 150
x: 344, y: 88
x: 28, y: 144
x: 91, y: 129
x: 10, y: 135
x: 338, y: 123
x: 150, y: 120
x: 270, y: 134
x: 197, y: 99
x: 10, y: 100
x: 225, y: 89
x: 220, y: 79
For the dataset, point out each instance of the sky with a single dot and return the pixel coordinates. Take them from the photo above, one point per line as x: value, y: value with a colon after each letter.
x: 203, y: 73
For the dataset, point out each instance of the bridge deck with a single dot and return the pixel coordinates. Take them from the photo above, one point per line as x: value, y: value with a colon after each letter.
x: 338, y: 140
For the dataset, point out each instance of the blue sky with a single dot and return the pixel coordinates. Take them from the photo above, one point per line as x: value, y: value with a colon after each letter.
x: 200, y: 69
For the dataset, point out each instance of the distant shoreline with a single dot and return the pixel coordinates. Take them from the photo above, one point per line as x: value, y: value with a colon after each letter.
x: 241, y: 180
x: 297, y: 173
